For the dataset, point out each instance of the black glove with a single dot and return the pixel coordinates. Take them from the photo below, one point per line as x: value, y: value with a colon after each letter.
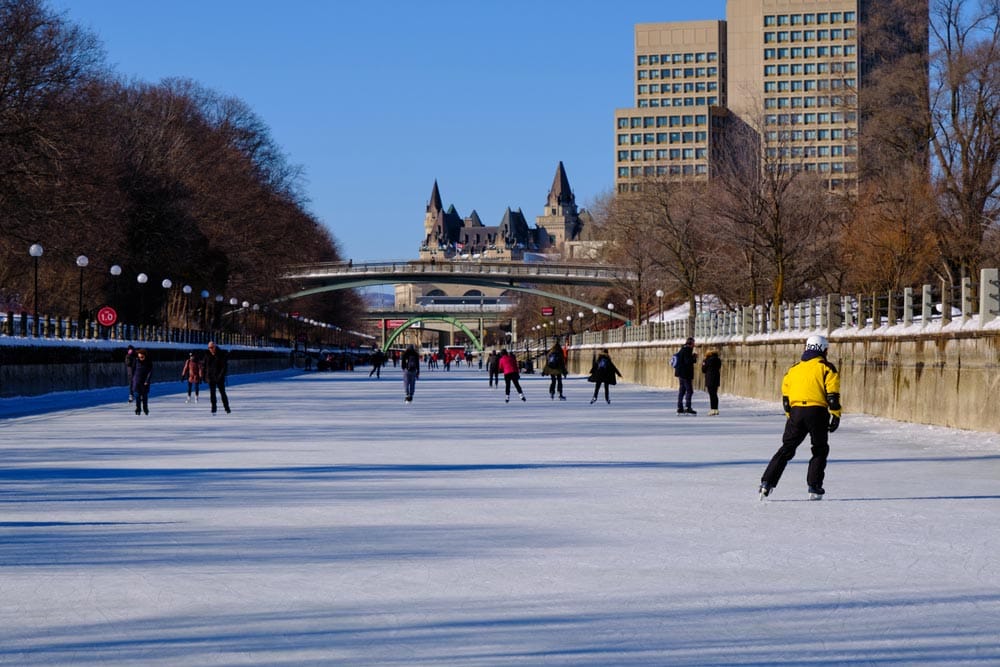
x: 834, y: 423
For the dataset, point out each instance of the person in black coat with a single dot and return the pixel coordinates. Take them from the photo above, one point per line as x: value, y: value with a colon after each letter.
x: 130, y: 371
x: 685, y: 359
x: 142, y: 375
x: 711, y: 368
x: 555, y: 367
x: 216, y: 369
x: 603, y: 371
x: 411, y: 371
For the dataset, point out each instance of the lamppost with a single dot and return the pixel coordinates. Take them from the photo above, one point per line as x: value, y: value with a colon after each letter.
x: 204, y: 310
x: 217, y: 312
x: 245, y: 315
x: 82, y: 262
x: 235, y: 303
x: 142, y: 279
x: 635, y: 317
x: 594, y: 311
x: 166, y: 284
x: 115, y: 272
x: 659, y: 306
x: 187, y: 305
x: 35, y: 251
x: 611, y: 309
x: 580, y: 317
x: 569, y: 325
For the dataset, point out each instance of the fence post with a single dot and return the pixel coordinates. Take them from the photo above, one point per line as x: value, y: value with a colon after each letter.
x: 989, y: 295
x: 926, y: 305
x: 907, y: 306
x: 967, y: 304
x: 834, y: 314
x: 946, y: 299
x: 890, y: 316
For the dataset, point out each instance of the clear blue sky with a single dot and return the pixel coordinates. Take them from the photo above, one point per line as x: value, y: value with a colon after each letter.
x: 376, y: 101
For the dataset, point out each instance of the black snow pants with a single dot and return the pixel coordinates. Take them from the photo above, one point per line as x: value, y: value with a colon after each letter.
x: 812, y: 421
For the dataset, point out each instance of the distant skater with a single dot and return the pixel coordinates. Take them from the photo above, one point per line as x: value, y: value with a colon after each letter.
x: 603, y: 371
x: 192, y: 373
x: 711, y: 368
x: 141, y: 377
x: 493, y: 368
x: 216, y: 370
x: 555, y: 368
x: 411, y: 371
x: 511, y: 374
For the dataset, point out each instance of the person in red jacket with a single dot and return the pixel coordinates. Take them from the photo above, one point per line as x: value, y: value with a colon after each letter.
x: 511, y: 374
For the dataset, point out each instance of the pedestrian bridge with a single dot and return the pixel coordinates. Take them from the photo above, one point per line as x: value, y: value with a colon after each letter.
x: 518, y: 276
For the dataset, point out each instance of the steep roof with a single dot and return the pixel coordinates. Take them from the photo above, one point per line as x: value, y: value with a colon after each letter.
x: 435, y: 203
x: 560, y: 193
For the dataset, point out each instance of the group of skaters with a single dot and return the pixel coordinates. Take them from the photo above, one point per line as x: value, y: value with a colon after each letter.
x: 212, y: 367
x: 810, y: 393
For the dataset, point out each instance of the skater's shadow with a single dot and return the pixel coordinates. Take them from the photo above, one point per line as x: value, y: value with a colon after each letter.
x: 883, y: 499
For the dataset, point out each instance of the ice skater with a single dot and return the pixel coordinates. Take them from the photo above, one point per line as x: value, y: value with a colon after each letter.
x: 810, y: 395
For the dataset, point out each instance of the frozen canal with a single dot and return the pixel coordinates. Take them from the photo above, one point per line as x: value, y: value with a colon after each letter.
x: 325, y: 523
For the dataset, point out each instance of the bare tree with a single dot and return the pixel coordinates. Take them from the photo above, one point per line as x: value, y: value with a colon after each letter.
x: 965, y: 111
x: 778, y: 216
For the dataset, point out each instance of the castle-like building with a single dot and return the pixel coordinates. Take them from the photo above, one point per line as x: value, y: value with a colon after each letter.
x: 560, y: 233
x: 449, y: 236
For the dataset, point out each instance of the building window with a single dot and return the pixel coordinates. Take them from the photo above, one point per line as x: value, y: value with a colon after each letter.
x: 769, y: 20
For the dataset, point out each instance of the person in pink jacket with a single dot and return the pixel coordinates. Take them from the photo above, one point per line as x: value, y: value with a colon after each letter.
x: 511, y: 374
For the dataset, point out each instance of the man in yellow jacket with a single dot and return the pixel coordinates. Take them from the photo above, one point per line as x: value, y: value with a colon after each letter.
x: 810, y: 394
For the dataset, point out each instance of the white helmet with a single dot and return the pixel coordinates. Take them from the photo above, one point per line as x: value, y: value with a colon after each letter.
x: 817, y: 343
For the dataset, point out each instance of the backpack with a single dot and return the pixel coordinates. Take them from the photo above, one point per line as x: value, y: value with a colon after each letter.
x: 674, y: 359
x: 553, y: 358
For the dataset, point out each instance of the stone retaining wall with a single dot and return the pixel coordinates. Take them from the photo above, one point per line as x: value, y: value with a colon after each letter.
x: 35, y: 370
x: 942, y: 379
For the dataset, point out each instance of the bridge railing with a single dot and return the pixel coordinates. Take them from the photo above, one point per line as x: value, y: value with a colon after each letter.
x: 470, y: 267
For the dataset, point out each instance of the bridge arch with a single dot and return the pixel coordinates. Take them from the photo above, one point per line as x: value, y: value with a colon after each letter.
x: 439, y: 318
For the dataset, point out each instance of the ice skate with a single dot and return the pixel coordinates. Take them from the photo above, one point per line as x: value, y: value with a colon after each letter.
x: 188, y: 400
x: 689, y: 411
x: 764, y: 490
x: 816, y: 493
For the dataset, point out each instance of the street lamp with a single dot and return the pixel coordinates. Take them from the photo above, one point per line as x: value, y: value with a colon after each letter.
x: 166, y: 284
x: 611, y: 309
x: 115, y: 272
x: 82, y: 262
x: 187, y: 304
x: 142, y: 279
x: 629, y: 302
x: 594, y: 311
x: 35, y: 251
x: 659, y: 304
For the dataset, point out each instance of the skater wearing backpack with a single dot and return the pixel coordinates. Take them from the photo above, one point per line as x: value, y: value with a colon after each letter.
x: 411, y: 371
x: 683, y: 362
x: 810, y: 395
x: 555, y: 367
x: 603, y: 371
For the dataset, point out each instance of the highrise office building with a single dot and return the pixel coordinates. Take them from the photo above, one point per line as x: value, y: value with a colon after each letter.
x: 790, y: 69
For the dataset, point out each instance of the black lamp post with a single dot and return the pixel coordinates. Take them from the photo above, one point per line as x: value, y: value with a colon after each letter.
x: 611, y: 308
x: 35, y: 251
x: 187, y: 305
x: 115, y: 272
x: 659, y: 306
x: 166, y: 284
x: 82, y: 262
x: 142, y: 279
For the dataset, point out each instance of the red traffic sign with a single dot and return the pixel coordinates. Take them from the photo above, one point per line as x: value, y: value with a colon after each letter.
x: 107, y: 316
x: 548, y: 310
